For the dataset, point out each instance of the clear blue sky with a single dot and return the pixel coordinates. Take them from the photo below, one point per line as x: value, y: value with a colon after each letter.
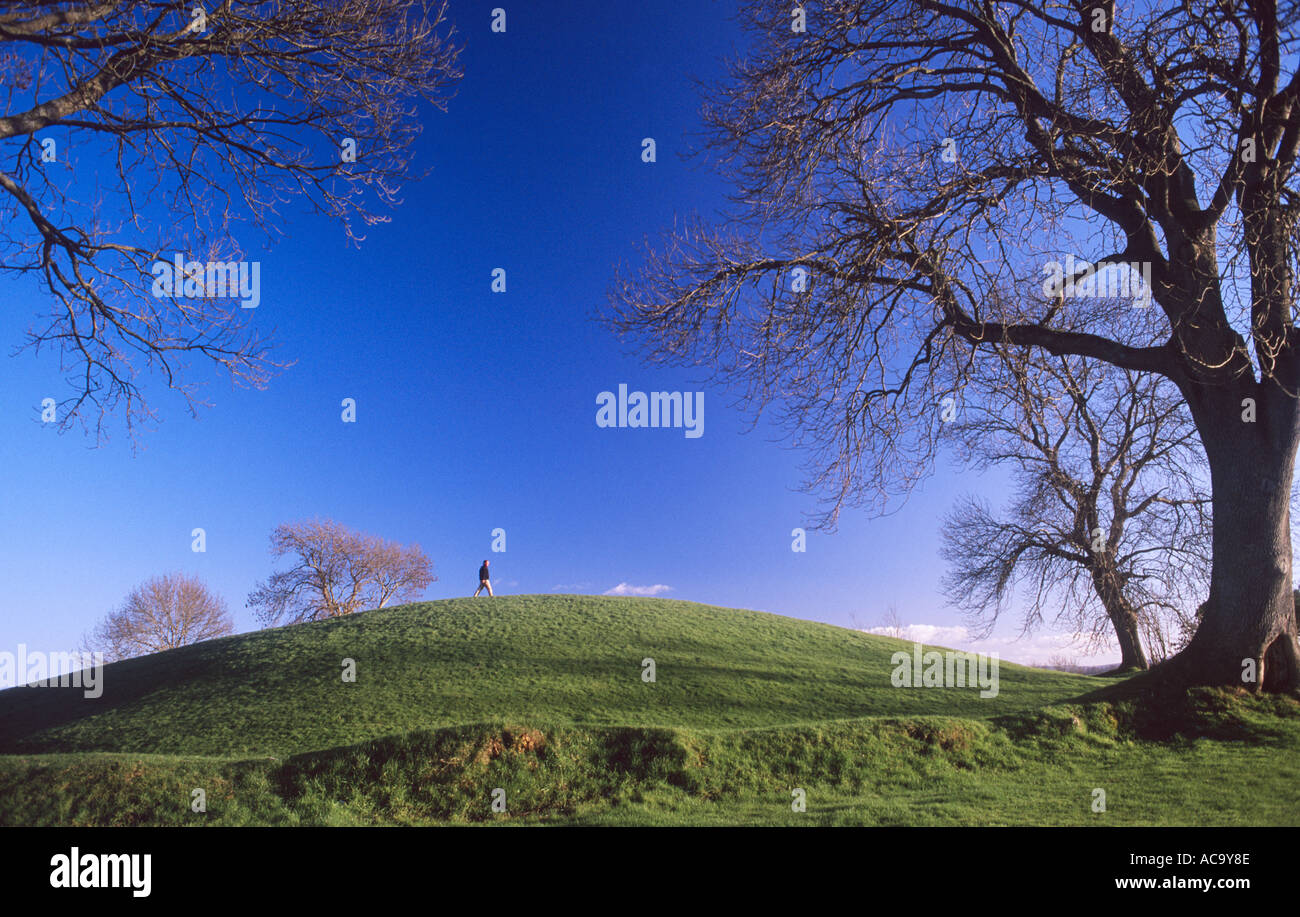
x: 475, y: 410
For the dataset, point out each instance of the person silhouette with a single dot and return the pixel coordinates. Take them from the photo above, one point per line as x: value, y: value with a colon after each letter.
x: 483, y: 582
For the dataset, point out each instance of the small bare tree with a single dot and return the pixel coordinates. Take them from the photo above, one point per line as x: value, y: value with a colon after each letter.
x: 137, y: 131
x: 892, y: 625
x: 337, y: 571
x: 161, y: 614
x: 1109, y: 529
x: 1062, y: 663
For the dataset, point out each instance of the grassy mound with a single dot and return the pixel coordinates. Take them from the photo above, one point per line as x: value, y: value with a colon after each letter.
x: 537, y: 703
x: 546, y: 659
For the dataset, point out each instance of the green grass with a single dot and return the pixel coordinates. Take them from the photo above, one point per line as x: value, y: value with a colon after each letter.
x: 542, y: 696
x: 551, y: 659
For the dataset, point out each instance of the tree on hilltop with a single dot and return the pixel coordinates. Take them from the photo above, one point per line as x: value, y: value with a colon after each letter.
x: 162, y: 613
x: 337, y: 571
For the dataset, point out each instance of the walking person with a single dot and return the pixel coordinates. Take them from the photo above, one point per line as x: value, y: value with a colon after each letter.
x: 483, y: 582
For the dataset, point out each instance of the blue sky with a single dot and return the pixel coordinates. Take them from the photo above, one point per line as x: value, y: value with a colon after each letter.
x: 475, y: 410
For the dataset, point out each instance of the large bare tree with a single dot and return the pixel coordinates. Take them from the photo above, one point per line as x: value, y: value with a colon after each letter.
x: 136, y: 132
x: 909, y: 177
x: 1108, y: 530
x: 161, y: 614
x: 336, y: 571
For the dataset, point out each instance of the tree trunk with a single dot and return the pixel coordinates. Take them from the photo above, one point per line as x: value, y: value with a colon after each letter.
x: 1122, y: 617
x: 1248, y: 635
x: 1126, y: 632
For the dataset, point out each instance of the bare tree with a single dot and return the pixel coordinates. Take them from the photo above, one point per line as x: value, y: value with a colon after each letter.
x: 892, y: 625
x: 337, y: 571
x: 135, y: 133
x: 1109, y: 529
x: 398, y: 572
x: 161, y: 614
x: 1061, y: 663
x: 907, y: 171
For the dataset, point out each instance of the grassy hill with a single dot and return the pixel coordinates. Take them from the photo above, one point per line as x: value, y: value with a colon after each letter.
x: 551, y: 659
x: 542, y: 696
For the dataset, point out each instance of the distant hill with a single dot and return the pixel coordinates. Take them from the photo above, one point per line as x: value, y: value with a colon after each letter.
x: 1077, y: 669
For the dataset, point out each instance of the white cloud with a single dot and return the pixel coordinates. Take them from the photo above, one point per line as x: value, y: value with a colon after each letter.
x: 628, y: 589
x: 571, y: 587
x: 1035, y: 649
